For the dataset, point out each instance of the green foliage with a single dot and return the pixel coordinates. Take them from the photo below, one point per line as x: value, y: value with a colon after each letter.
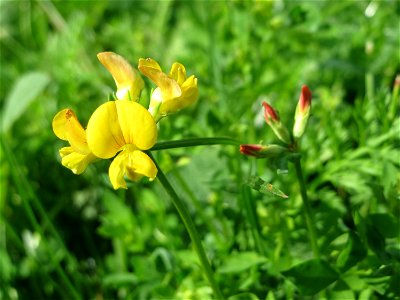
x: 260, y: 185
x: 26, y: 89
x: 312, y: 276
x: 353, y: 253
x: 64, y: 236
x: 239, y: 262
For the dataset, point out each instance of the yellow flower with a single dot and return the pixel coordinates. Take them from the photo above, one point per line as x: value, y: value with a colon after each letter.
x: 129, y: 83
x: 128, y: 127
x: 174, y: 91
x: 77, y: 156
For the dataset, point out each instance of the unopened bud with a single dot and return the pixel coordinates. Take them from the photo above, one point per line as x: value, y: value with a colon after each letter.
x: 263, y: 151
x: 397, y: 81
x: 302, y: 112
x: 273, y: 120
x: 270, y: 114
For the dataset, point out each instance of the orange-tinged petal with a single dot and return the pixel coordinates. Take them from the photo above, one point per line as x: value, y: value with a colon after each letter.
x: 137, y: 124
x: 67, y: 127
x: 75, y: 161
x: 168, y: 86
x: 104, y: 135
x: 134, y: 164
x: 76, y: 135
x: 129, y: 83
x: 178, y: 73
x: 148, y: 63
x: 59, y: 121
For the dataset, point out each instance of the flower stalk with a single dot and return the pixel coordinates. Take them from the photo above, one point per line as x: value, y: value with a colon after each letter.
x: 195, y: 142
x: 306, y: 207
x: 191, y: 229
x: 290, y: 150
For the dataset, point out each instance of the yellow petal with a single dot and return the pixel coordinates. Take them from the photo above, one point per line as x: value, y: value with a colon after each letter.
x: 76, y: 135
x: 140, y: 164
x: 104, y: 135
x: 75, y: 161
x: 59, y: 122
x: 168, y: 86
x: 116, y: 171
x: 129, y: 83
x: 178, y: 73
x: 190, y: 82
x: 67, y: 127
x: 117, y: 123
x: 134, y: 164
x: 190, y: 89
x: 190, y: 94
x: 137, y: 124
x: 149, y: 63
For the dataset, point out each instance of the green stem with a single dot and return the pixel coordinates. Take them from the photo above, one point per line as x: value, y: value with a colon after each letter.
x: 196, y: 202
x: 190, y: 227
x: 195, y: 142
x: 251, y: 216
x: 307, y: 209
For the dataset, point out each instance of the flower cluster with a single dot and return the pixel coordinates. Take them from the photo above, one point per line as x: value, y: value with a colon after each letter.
x: 273, y: 120
x: 123, y: 128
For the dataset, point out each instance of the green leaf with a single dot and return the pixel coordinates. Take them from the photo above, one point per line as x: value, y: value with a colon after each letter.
x: 353, y: 253
x: 312, y: 276
x: 393, y: 290
x: 145, y: 268
x: 244, y: 296
x: 240, y: 262
x: 163, y: 256
x: 7, y: 268
x: 341, y: 291
x: 386, y: 224
x: 375, y: 239
x: 258, y: 184
x: 25, y: 90
x: 119, y: 279
x: 118, y: 221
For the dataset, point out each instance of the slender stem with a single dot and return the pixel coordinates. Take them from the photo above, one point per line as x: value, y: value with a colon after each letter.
x: 307, y: 209
x: 190, y: 227
x: 195, y: 142
x: 198, y: 206
x: 251, y: 215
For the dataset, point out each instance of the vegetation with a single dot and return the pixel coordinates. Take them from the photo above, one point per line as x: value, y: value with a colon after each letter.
x: 64, y: 236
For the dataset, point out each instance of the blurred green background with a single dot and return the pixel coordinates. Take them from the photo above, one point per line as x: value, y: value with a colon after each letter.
x: 68, y: 237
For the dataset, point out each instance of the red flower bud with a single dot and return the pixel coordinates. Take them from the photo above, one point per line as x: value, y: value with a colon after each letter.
x: 397, y: 81
x: 273, y: 120
x: 302, y: 112
x: 305, y: 98
x: 250, y: 149
x: 263, y: 151
x: 270, y: 114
